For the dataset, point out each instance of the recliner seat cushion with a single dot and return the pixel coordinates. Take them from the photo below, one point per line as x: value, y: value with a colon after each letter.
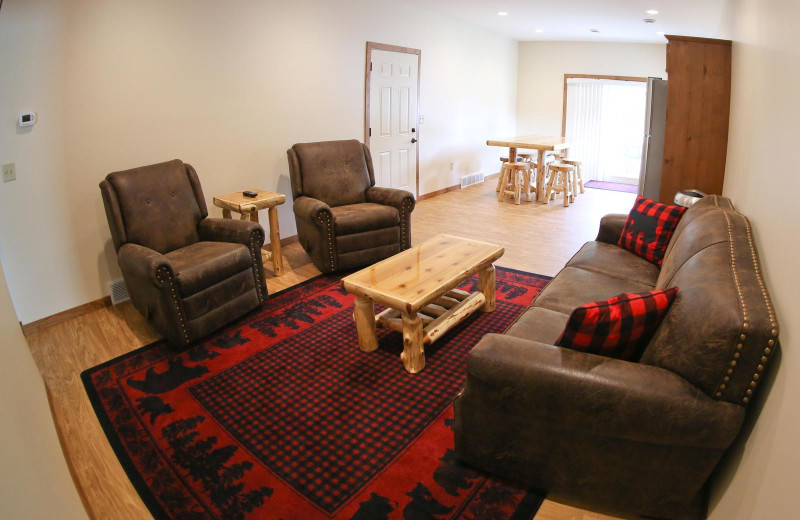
x: 204, y: 264
x: 357, y: 218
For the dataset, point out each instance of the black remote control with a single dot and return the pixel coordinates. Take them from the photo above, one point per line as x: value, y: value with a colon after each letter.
x: 250, y: 194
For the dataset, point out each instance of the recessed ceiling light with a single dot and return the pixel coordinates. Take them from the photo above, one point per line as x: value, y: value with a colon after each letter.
x: 594, y: 30
x: 651, y: 11
x: 502, y: 13
x: 539, y: 30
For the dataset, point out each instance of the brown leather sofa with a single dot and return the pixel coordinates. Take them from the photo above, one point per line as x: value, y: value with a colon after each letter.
x: 639, y: 438
x: 186, y: 273
x: 343, y: 220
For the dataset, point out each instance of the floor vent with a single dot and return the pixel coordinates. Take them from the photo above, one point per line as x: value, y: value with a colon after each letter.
x: 469, y: 180
x: 118, y: 291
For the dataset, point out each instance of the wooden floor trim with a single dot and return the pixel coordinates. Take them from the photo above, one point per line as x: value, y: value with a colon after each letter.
x: 439, y: 192
x: 61, y: 317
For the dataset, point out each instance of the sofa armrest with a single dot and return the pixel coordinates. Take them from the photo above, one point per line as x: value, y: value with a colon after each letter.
x: 573, y: 390
x: 401, y: 199
x: 228, y: 230
x: 611, y: 228
x: 312, y: 210
x: 143, y: 264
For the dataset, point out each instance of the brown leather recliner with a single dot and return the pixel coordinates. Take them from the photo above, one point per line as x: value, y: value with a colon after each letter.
x: 616, y: 435
x: 186, y: 273
x: 343, y: 220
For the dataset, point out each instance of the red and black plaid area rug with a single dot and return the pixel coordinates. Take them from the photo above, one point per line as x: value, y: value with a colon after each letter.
x: 281, y: 416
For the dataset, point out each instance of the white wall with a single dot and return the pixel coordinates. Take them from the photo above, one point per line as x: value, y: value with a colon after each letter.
x: 542, y: 66
x: 759, y: 480
x: 226, y: 86
x: 36, y: 483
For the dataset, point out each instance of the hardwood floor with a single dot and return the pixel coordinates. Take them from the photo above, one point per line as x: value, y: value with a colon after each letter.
x: 538, y: 238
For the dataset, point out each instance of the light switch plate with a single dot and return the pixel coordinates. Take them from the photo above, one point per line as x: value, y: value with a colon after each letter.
x: 9, y: 172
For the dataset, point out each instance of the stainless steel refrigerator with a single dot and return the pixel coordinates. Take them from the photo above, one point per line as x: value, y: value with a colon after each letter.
x: 655, y: 119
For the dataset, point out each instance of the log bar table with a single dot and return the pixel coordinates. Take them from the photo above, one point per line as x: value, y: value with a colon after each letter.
x: 418, y: 287
x: 247, y: 206
x: 542, y: 143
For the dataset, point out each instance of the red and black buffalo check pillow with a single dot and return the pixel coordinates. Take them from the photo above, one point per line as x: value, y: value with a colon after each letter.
x: 649, y: 227
x: 619, y: 327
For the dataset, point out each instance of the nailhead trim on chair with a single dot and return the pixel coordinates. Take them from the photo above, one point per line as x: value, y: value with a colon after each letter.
x: 745, y: 316
x: 325, y: 220
x: 254, y: 236
x: 164, y: 271
x: 404, y: 215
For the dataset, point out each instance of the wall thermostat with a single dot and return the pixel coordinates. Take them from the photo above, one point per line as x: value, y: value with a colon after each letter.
x: 27, y: 119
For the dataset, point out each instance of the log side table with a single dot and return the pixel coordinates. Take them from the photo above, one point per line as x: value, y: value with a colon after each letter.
x: 249, y: 207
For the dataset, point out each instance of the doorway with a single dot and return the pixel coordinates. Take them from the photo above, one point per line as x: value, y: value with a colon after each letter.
x: 391, y: 114
x: 604, y: 118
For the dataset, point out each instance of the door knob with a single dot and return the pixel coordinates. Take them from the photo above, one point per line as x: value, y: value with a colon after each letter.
x: 413, y: 140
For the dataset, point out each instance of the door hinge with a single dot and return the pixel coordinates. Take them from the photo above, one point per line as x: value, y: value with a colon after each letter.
x: 370, y: 132
x: 370, y: 66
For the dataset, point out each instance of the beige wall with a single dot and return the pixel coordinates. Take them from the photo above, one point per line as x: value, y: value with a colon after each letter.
x: 226, y: 86
x: 35, y: 481
x: 542, y: 66
x: 759, y: 480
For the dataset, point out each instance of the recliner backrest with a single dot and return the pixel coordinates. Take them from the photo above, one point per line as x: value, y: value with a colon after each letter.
x: 157, y: 206
x: 335, y: 172
x: 721, y: 329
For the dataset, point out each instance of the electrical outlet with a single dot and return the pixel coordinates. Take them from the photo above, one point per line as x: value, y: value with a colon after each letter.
x: 421, y: 119
x: 452, y: 166
x: 9, y: 172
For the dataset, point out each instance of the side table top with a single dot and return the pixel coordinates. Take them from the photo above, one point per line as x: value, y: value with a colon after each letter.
x: 409, y: 280
x: 239, y: 203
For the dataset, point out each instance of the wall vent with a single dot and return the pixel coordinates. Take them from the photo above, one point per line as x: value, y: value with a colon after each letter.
x: 118, y: 291
x: 475, y: 178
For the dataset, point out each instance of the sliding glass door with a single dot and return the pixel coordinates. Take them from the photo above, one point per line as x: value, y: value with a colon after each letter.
x: 605, y: 120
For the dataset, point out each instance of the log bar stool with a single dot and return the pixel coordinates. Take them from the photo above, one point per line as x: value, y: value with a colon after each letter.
x: 515, y: 181
x: 560, y: 182
x: 578, y: 173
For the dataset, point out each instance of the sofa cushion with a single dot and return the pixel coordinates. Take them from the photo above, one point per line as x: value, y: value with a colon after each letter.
x: 573, y: 287
x: 356, y: 218
x: 203, y: 264
x: 649, y: 228
x: 619, y: 327
x: 614, y: 261
x: 539, y: 324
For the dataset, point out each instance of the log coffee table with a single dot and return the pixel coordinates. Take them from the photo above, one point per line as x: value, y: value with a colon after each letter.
x: 418, y: 287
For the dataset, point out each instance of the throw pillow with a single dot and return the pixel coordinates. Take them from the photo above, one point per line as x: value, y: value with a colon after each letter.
x: 649, y: 227
x: 619, y: 327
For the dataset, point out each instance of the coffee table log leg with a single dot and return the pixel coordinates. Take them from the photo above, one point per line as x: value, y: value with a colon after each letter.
x: 364, y: 316
x: 486, y: 281
x: 413, y: 355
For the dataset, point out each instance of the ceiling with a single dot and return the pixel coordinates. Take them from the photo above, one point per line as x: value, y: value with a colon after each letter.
x: 572, y: 20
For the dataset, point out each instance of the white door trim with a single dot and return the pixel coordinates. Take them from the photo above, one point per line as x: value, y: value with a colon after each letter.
x: 393, y: 48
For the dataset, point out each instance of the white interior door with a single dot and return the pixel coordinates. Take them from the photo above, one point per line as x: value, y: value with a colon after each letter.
x: 393, y: 119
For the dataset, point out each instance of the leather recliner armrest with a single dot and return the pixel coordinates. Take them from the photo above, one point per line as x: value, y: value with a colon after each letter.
x: 143, y: 264
x: 572, y: 390
x: 611, y: 228
x: 400, y: 199
x: 228, y: 230
x: 313, y: 210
